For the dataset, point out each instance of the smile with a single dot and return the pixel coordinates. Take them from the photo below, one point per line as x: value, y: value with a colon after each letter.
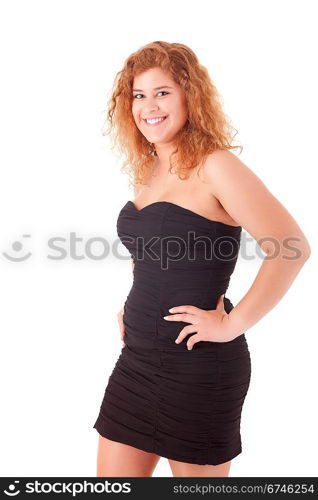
x: 154, y: 121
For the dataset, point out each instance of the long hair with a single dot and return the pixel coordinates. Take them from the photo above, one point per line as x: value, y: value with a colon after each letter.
x: 207, y: 127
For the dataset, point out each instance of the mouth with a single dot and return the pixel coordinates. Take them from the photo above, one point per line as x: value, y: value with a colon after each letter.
x: 152, y: 122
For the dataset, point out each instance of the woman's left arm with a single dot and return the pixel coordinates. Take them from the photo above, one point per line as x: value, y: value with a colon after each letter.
x: 249, y: 202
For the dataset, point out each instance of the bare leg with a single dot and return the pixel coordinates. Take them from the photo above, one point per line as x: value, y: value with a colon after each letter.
x: 181, y: 469
x: 121, y: 460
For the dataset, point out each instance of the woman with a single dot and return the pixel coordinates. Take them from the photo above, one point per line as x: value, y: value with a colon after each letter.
x: 178, y: 387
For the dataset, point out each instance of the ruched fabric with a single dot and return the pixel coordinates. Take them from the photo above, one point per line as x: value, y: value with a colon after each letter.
x: 161, y: 398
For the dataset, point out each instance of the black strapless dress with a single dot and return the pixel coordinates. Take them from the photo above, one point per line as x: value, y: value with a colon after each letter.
x: 161, y: 397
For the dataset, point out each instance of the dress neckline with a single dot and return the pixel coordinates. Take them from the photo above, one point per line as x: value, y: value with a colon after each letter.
x: 181, y: 208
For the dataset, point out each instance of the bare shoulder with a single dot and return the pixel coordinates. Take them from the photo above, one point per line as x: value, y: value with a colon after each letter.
x: 248, y: 200
x: 224, y: 171
x: 223, y: 163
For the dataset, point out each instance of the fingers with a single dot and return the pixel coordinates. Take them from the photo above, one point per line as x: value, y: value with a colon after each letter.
x: 185, y: 309
x: 193, y: 340
x: 121, y: 324
x: 186, y: 331
x: 187, y: 318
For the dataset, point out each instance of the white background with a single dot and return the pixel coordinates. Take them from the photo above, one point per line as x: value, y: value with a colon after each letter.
x: 58, y: 321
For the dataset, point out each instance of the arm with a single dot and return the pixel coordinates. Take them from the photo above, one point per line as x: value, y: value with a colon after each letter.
x: 245, y: 197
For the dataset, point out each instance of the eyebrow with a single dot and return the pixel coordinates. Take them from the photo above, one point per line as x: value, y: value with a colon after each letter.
x: 155, y: 88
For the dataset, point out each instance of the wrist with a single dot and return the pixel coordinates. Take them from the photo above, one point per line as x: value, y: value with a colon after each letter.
x: 234, y: 324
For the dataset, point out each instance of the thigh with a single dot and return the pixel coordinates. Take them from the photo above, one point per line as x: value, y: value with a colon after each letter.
x: 181, y: 469
x: 121, y: 460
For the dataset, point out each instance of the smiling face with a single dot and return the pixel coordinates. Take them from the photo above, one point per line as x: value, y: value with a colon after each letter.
x: 159, y: 106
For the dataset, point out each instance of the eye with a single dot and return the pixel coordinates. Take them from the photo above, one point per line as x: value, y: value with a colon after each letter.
x: 160, y: 92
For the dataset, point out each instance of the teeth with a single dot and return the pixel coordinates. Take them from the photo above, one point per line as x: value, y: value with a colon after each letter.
x: 155, y: 120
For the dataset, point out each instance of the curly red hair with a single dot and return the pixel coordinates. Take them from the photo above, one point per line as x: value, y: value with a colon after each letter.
x: 206, y: 130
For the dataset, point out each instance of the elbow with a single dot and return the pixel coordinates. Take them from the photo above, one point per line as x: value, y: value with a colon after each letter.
x: 302, y: 247
x: 300, y: 252
x: 305, y: 251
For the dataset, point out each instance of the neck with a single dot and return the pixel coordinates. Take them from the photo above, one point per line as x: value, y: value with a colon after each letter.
x: 162, y: 158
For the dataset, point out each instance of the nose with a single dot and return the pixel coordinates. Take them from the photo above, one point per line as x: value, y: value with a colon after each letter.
x: 151, y: 106
x: 151, y: 109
